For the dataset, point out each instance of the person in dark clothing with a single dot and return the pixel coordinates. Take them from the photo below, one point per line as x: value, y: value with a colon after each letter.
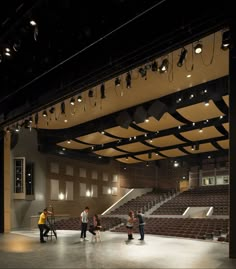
x: 140, y: 218
x: 96, y: 225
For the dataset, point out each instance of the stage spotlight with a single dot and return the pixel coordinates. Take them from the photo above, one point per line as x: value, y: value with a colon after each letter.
x: 79, y: 99
x: 143, y: 72
x: 164, y: 66
x: 102, y: 90
x: 117, y: 82
x: 198, y: 48
x: 182, y: 57
x: 128, y: 80
x: 72, y: 101
x: 154, y: 66
x: 225, y: 40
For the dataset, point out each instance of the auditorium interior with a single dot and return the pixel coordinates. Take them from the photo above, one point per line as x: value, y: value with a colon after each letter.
x: 118, y: 105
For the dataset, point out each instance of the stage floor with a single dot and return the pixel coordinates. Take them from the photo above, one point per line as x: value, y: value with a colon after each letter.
x: 22, y: 249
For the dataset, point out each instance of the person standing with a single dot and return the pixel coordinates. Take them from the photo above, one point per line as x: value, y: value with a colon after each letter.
x: 130, y: 224
x: 43, y: 227
x: 140, y: 217
x: 84, y: 223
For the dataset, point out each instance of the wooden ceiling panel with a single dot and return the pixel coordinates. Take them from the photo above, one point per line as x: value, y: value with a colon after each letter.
x: 129, y: 160
x: 173, y: 153
x: 166, y: 122
x: 134, y: 147
x: 226, y: 99
x: 204, y: 133
x: 202, y: 148
x: 165, y: 141
x: 226, y: 126
x: 200, y: 112
x: 149, y: 157
x: 224, y: 144
x: 73, y: 145
x: 110, y: 152
x: 123, y: 133
x: 96, y: 138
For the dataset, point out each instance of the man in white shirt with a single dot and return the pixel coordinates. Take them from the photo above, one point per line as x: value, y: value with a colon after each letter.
x: 84, y: 223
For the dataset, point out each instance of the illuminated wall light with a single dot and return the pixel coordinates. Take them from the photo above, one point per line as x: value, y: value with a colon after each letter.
x: 61, y: 196
x: 88, y: 193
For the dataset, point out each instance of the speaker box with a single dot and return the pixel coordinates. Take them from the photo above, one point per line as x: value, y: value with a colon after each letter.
x: 157, y: 109
x: 140, y: 115
x: 124, y: 119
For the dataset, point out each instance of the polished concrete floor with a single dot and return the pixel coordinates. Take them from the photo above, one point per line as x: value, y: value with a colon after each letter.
x: 22, y: 249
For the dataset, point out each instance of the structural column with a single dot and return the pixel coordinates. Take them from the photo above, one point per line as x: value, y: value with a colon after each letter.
x: 232, y: 145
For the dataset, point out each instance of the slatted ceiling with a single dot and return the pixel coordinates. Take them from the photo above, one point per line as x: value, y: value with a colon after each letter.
x: 134, y: 147
x: 145, y: 157
x: 123, y: 133
x: 173, y: 153
x: 73, y: 145
x: 165, y: 141
x: 110, y: 152
x: 224, y: 143
x: 130, y: 160
x: 207, y: 132
x: 96, y: 138
x: 202, y: 148
x: 166, y: 122
x: 226, y: 126
x: 199, y: 112
x: 226, y: 99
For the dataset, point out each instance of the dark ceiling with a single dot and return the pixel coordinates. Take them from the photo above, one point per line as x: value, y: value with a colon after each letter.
x: 79, y: 44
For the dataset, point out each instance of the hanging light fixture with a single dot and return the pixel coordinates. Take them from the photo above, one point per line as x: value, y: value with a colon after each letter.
x: 117, y: 82
x: 182, y: 57
x: 102, y: 90
x: 164, y: 66
x: 128, y: 80
x: 198, y: 48
x: 72, y: 101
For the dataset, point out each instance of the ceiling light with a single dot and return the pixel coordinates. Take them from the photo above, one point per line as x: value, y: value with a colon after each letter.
x: 182, y: 57
x: 117, y: 82
x: 176, y: 164
x: 128, y: 80
x: 206, y: 103
x: 198, y: 48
